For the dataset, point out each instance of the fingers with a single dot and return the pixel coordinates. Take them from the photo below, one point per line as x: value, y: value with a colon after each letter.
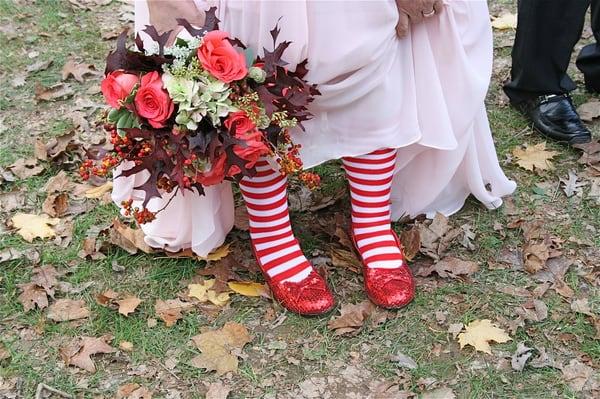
x: 428, y: 6
x: 438, y: 6
x: 403, y: 24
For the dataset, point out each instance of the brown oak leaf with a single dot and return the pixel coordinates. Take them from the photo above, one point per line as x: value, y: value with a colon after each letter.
x: 68, y: 309
x: 78, y: 353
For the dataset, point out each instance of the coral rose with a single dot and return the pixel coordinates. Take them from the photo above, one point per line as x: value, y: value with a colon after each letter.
x: 117, y: 86
x: 255, y: 149
x: 215, y: 174
x: 152, y: 101
x: 220, y: 58
x: 240, y: 121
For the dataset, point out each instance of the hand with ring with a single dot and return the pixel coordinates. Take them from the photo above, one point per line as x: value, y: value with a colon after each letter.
x: 415, y: 11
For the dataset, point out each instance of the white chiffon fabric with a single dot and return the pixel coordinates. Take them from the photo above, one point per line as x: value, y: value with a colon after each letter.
x: 423, y: 94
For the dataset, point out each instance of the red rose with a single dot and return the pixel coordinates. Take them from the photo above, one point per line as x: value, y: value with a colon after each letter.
x: 220, y: 58
x: 241, y: 122
x: 117, y: 86
x: 152, y: 101
x: 255, y: 148
x: 215, y: 174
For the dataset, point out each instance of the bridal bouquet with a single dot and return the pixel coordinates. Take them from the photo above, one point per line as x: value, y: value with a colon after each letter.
x: 199, y: 112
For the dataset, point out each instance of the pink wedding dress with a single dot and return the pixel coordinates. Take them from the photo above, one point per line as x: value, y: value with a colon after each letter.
x: 423, y: 94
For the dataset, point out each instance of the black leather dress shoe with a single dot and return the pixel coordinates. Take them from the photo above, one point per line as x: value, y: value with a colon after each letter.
x: 555, y: 117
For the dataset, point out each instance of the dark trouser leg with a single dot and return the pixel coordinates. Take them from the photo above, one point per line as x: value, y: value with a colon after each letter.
x: 547, y: 31
x: 588, y: 61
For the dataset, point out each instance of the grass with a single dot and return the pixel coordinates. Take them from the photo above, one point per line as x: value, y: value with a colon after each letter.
x: 311, y: 349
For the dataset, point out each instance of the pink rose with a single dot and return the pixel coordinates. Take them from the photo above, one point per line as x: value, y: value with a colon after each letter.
x: 240, y: 121
x: 117, y: 86
x: 152, y: 101
x: 220, y: 59
x: 215, y: 174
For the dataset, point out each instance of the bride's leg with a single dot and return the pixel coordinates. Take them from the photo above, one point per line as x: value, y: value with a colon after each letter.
x: 387, y: 278
x: 293, y: 280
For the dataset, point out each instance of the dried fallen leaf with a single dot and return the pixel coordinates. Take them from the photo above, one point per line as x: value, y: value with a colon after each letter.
x: 345, y: 259
x: 572, y: 185
x: 78, y: 353
x: 56, y: 205
x: 576, y: 374
x: 534, y: 157
x: 403, y: 361
x: 32, y: 295
x: 589, y: 110
x: 77, y: 70
x: 520, y: 357
x: 25, y: 168
x: 220, y: 348
x: 411, y: 243
x: 58, y: 184
x: 128, y: 305
x: 534, y: 310
x: 535, y: 256
x: 241, y: 221
x: 506, y: 21
x: 38, y: 66
x: 479, y: 333
x: 204, y: 293
x: 582, y: 306
x: 126, y: 346
x: 11, y: 200
x: 98, y: 192
x: 58, y: 91
x: 217, y: 390
x: 36, y: 292
x: 247, y: 288
x: 439, y: 393
x: 171, y: 310
x: 352, y: 318
x: 218, y: 253
x: 131, y: 240
x: 68, y: 309
x: 34, y: 226
x: 450, y: 267
x: 223, y: 272
x: 4, y: 354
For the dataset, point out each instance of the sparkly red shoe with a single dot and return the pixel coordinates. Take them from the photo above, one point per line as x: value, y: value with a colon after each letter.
x: 308, y: 297
x: 388, y: 288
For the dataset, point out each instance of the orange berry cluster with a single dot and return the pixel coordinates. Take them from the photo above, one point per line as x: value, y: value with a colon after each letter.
x: 140, y: 216
x: 310, y: 180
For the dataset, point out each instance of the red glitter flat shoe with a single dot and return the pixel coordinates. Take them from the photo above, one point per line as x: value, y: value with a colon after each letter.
x: 388, y: 288
x: 308, y: 297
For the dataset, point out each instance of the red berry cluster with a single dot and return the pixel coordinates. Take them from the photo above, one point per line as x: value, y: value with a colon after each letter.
x: 140, y: 216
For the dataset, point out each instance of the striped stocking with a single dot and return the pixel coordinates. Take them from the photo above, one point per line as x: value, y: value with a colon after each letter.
x: 370, y: 178
x: 277, y: 250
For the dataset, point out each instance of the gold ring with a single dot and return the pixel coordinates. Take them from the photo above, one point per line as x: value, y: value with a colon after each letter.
x: 428, y: 14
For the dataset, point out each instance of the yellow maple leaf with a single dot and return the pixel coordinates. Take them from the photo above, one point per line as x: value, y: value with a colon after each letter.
x: 218, y: 253
x: 479, y: 333
x: 220, y: 348
x: 204, y: 293
x: 505, y: 21
x: 248, y: 288
x: 34, y: 226
x: 534, y: 157
x: 98, y: 192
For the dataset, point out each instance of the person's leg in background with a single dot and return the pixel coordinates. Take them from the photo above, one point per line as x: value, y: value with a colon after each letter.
x: 588, y: 60
x: 547, y: 32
